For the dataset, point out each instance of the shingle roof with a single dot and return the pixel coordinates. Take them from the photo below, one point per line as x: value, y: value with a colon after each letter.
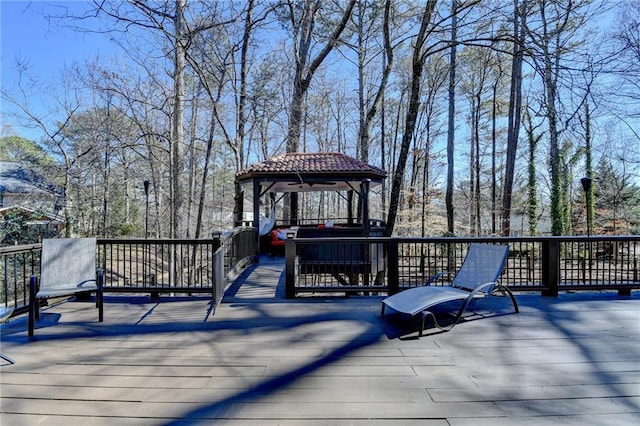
x: 16, y: 179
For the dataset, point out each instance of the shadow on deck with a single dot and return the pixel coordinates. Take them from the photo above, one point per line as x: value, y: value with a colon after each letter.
x: 268, y: 360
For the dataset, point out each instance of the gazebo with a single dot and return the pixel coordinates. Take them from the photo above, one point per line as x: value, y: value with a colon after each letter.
x: 303, y: 172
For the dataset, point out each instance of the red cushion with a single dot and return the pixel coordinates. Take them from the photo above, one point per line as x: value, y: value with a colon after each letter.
x: 275, y: 241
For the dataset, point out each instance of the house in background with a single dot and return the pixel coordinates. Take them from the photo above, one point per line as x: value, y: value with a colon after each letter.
x: 28, y: 205
x: 21, y: 186
x: 20, y: 225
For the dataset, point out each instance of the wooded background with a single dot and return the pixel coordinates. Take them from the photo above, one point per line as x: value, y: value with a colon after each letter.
x: 485, y: 114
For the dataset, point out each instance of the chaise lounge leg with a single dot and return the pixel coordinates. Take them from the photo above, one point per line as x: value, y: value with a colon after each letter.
x: 436, y: 324
x: 7, y: 358
x: 516, y: 308
x: 424, y: 319
x: 505, y: 291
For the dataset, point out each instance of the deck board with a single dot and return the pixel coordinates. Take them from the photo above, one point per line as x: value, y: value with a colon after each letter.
x: 261, y: 359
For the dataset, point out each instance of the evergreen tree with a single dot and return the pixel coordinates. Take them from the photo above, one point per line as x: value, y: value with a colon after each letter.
x: 617, y: 201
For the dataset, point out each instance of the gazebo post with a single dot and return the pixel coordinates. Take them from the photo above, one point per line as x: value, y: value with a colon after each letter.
x: 364, y: 194
x: 350, y: 207
x: 256, y: 213
x: 293, y: 203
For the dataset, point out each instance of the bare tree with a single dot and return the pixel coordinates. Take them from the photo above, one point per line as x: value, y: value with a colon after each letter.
x: 553, y: 38
x: 219, y: 59
x: 167, y: 19
x: 56, y: 139
x: 515, y: 108
x: 420, y: 53
x: 303, y: 21
x: 533, y: 138
x: 370, y: 19
x: 451, y: 121
x: 177, y: 127
x: 476, y: 66
x: 368, y: 106
x: 626, y: 65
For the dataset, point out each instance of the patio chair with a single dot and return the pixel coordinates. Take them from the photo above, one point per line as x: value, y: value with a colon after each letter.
x: 67, y: 268
x: 477, y: 277
x: 5, y: 313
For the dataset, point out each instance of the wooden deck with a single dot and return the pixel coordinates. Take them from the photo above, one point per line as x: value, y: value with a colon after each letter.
x: 264, y: 360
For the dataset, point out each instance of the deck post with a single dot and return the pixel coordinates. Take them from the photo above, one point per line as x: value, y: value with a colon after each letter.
x: 392, y: 266
x: 289, y: 268
x: 550, y: 267
x: 256, y: 216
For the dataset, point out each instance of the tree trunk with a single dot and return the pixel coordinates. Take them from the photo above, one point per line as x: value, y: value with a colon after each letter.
x: 471, y: 209
x: 590, y: 199
x: 494, y: 181
x: 177, y: 134
x: 476, y: 169
x: 191, y: 166
x: 367, y: 116
x: 451, y: 121
x: 304, y: 73
x: 302, y: 79
x: 242, y: 116
x: 205, y: 174
x: 412, y: 112
x: 515, y: 107
x: 532, y: 196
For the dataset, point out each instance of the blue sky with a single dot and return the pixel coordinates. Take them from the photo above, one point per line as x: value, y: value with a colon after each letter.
x: 27, y: 34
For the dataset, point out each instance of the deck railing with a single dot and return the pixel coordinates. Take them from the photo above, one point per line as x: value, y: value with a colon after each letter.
x: 344, y: 265
x: 544, y: 264
x: 143, y: 266
x: 17, y: 264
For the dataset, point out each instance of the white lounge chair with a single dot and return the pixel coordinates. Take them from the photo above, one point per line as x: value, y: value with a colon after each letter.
x: 67, y: 267
x: 478, y: 276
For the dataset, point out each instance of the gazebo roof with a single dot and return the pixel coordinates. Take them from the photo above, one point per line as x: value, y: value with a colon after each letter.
x: 301, y: 172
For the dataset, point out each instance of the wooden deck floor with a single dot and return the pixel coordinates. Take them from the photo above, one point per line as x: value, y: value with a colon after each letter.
x: 265, y: 360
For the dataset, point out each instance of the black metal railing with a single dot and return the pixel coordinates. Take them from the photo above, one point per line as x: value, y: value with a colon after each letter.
x: 143, y: 266
x: 176, y: 266
x: 387, y: 265
x: 342, y: 265
x: 238, y: 248
x: 155, y: 266
x: 17, y: 264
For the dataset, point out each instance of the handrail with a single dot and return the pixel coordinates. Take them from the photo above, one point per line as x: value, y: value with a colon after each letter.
x: 544, y: 264
x: 152, y: 266
x: 17, y: 264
